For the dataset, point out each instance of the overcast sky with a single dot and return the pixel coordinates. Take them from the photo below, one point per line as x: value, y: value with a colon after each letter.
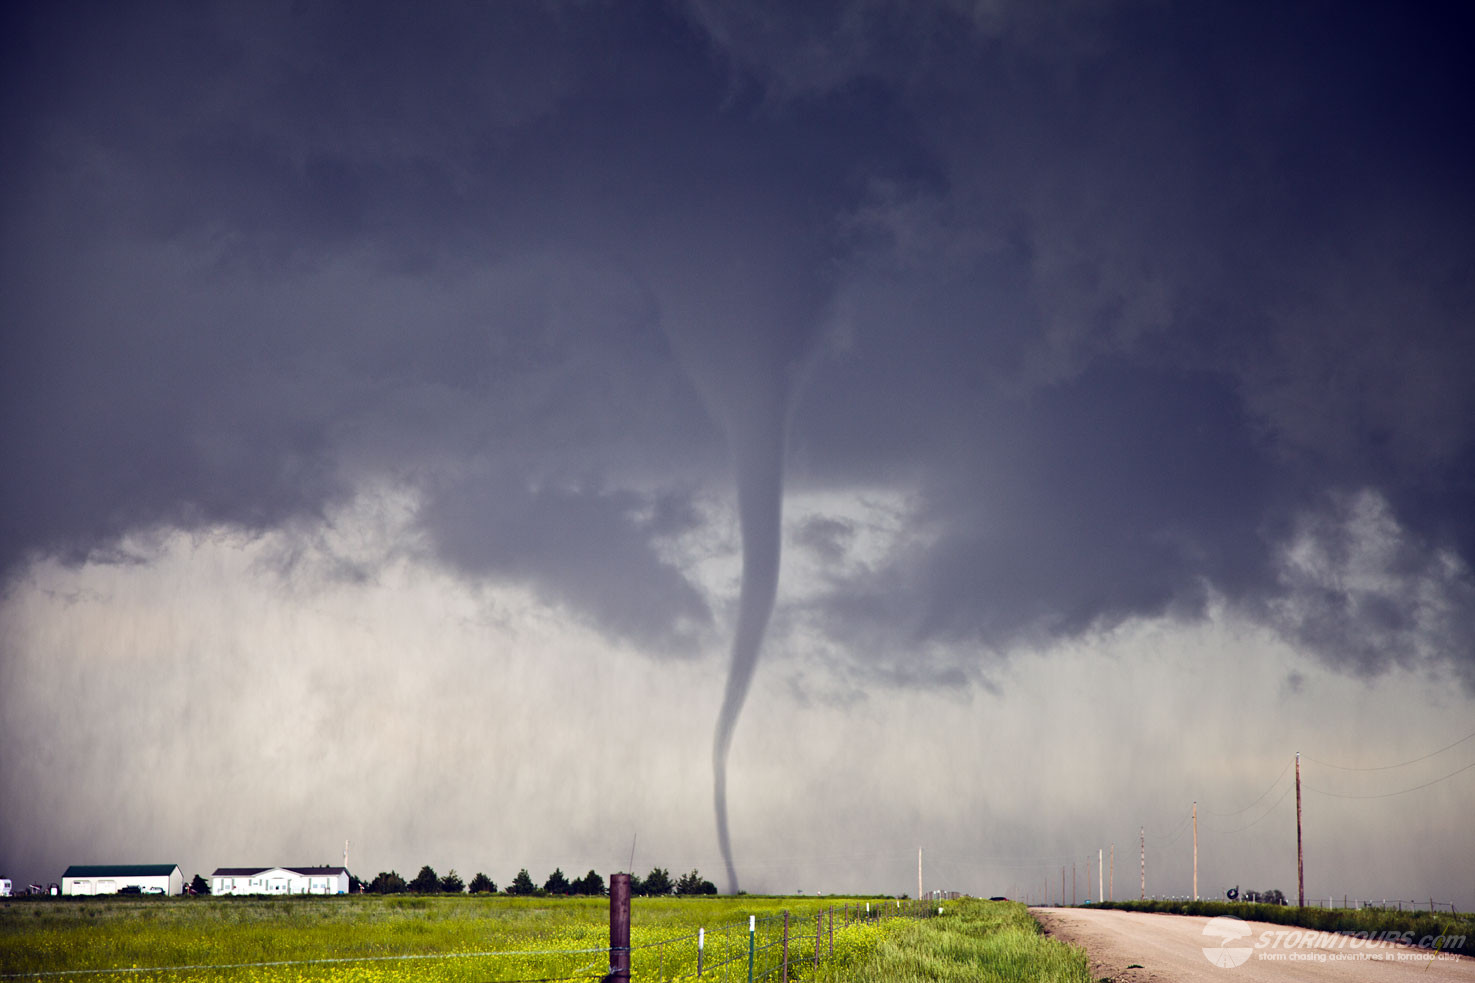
x: 377, y: 382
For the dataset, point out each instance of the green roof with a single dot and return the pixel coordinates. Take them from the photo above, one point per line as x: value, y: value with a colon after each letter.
x: 120, y: 870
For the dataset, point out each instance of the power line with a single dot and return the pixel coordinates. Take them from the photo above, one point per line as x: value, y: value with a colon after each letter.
x: 1182, y: 826
x: 1384, y: 795
x: 1262, y: 815
x: 1401, y: 764
x: 1289, y: 762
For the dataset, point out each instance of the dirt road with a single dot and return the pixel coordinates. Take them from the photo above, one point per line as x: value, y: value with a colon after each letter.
x: 1137, y: 947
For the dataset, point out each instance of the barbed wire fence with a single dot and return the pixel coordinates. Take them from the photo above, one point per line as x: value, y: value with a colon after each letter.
x: 775, y: 947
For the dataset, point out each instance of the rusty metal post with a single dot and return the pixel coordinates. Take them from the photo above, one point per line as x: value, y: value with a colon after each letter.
x: 619, y: 929
x: 819, y: 926
x: 786, y: 945
x: 832, y: 931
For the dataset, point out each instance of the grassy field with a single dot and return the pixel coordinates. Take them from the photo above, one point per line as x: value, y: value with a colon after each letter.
x: 470, y: 938
x: 975, y: 942
x: 1418, y: 925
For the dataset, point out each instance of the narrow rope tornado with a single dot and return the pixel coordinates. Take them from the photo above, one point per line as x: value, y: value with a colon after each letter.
x: 758, y: 455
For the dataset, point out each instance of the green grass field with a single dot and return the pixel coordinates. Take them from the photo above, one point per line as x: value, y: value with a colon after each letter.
x: 472, y: 938
x: 975, y: 942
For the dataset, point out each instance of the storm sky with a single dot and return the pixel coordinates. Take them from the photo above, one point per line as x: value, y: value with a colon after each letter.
x: 377, y: 384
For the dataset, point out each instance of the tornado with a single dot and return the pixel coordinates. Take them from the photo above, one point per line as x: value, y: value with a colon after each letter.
x: 758, y: 459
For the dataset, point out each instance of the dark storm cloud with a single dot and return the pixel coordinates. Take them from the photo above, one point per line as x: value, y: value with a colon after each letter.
x: 1136, y: 297
x: 828, y: 538
x: 590, y: 549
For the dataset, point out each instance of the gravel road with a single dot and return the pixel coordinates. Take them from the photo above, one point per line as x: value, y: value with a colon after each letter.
x: 1138, y: 947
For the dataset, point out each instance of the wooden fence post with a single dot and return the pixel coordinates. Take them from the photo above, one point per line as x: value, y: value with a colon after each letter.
x: 619, y: 929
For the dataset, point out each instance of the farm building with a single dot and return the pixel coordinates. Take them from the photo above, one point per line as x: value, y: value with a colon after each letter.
x: 82, y: 879
x: 279, y: 880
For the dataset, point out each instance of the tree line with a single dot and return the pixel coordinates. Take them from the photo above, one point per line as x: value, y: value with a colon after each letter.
x: 657, y: 883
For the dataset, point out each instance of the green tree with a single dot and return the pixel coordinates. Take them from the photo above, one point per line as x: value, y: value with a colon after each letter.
x: 451, y: 883
x: 482, y: 884
x: 557, y: 883
x: 426, y: 882
x: 387, y: 882
x: 694, y: 883
x: 657, y: 883
x: 590, y: 884
x: 199, y: 885
x: 522, y: 883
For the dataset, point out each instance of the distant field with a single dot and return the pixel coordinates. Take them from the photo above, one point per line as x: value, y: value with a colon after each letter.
x: 433, y: 938
x: 461, y: 939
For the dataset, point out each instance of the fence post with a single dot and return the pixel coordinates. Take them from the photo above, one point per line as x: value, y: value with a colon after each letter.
x: 752, y: 926
x: 832, y: 931
x: 786, y: 945
x: 819, y: 924
x: 701, y: 944
x: 619, y: 929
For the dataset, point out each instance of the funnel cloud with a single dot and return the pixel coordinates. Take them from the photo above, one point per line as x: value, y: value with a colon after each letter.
x: 758, y: 457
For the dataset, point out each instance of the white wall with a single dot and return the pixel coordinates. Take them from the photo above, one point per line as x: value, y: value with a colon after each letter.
x: 81, y: 886
x: 280, y: 880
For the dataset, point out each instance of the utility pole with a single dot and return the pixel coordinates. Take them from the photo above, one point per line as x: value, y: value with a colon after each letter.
x: 1073, y: 883
x: 1300, y: 869
x: 919, y: 873
x: 1195, y: 849
x: 1142, y: 833
x: 1100, y: 889
x: 1062, y: 885
x: 1111, y: 881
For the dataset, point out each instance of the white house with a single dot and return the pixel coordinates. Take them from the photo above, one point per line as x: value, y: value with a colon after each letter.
x: 279, y: 880
x: 81, y: 879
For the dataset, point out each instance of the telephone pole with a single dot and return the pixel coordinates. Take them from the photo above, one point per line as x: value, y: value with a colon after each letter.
x: 1300, y: 869
x: 1100, y: 888
x: 919, y: 873
x: 1195, y: 850
x: 1142, y: 833
x: 1111, y: 881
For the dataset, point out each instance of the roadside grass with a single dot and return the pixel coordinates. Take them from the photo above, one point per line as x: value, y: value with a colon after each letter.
x: 972, y: 942
x: 1416, y: 927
